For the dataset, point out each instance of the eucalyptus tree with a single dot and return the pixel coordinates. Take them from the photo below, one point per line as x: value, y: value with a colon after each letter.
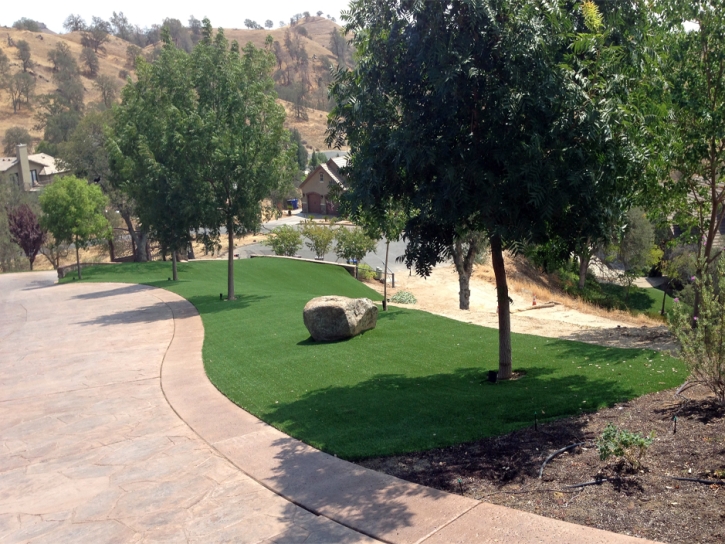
x: 467, y: 113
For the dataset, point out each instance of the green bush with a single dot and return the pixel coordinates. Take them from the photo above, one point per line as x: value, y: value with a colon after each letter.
x: 621, y: 443
x: 365, y: 272
x: 404, y: 297
x: 284, y: 240
x: 701, y: 337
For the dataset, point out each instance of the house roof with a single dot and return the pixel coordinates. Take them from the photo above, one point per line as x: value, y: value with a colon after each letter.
x: 49, y: 164
x: 330, y: 170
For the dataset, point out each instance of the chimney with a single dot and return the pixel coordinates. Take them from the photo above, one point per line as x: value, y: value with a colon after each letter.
x: 24, y: 166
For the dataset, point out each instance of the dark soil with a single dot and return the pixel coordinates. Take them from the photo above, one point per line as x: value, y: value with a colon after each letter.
x: 647, y: 503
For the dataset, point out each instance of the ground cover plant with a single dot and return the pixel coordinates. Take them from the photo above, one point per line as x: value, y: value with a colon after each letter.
x: 416, y: 382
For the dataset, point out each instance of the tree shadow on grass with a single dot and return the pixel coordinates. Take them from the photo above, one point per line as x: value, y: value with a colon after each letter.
x: 390, y: 414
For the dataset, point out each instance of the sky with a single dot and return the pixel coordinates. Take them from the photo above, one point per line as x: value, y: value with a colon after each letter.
x: 144, y: 13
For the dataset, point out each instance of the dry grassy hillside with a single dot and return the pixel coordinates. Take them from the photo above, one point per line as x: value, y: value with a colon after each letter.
x: 110, y: 64
x: 114, y: 60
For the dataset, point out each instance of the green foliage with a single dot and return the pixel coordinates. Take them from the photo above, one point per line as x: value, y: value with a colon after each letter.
x: 73, y: 211
x: 27, y: 24
x: 108, y: 88
x: 90, y: 60
x: 321, y: 237
x: 24, y: 54
x: 13, y: 137
x: 296, y: 139
x: 365, y: 272
x: 353, y: 243
x: 701, y: 337
x: 621, y: 443
x: 317, y: 159
x: 424, y: 376
x: 404, y: 297
x: 284, y: 240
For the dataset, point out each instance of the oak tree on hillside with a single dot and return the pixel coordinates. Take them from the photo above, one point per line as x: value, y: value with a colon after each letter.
x: 13, y: 137
x: 74, y: 23
x: 24, y: 55
x: 96, y: 35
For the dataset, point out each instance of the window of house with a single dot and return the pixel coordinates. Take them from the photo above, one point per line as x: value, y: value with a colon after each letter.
x: 322, y: 176
x: 34, y: 176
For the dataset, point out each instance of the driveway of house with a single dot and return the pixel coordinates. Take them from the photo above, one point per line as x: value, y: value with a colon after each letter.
x: 90, y: 449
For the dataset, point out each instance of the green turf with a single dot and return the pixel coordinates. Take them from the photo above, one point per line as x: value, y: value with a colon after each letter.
x: 416, y: 382
x: 645, y: 300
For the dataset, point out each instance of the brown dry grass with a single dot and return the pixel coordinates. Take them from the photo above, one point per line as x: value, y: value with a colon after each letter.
x: 525, y: 279
x: 110, y: 64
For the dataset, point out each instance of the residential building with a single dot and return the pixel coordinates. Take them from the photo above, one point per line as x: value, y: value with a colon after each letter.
x: 31, y: 172
x: 316, y: 187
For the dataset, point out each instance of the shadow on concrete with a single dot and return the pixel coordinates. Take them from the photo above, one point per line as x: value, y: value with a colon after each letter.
x: 125, y: 290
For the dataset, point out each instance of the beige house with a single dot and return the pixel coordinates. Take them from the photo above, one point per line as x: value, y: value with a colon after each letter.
x: 316, y: 187
x: 30, y: 171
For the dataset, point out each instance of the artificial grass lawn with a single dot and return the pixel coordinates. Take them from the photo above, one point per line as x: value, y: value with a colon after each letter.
x: 417, y: 381
x: 647, y: 300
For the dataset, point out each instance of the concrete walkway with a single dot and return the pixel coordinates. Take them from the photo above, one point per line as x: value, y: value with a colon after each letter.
x: 110, y: 431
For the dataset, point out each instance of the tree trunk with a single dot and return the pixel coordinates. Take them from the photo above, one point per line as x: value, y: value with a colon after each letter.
x: 174, y: 271
x: 664, y: 298
x: 230, y: 262
x: 583, y: 268
x: 31, y: 263
x: 78, y: 261
x: 504, y: 310
x: 385, y: 276
x: 464, y: 267
x: 111, y: 250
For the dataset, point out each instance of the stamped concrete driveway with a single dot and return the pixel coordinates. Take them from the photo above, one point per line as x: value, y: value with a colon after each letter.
x: 90, y: 449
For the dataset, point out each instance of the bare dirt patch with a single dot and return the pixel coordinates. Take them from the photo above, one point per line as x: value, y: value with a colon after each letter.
x: 648, y: 503
x: 567, y: 318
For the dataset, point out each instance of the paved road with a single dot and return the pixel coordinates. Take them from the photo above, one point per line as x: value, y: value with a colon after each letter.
x: 91, y: 451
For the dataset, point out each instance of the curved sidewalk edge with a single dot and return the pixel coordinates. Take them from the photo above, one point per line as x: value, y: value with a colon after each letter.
x: 374, y: 504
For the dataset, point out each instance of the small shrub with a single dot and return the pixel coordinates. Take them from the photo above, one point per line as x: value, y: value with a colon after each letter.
x: 284, y: 240
x: 701, y: 337
x: 621, y: 443
x: 365, y: 272
x: 404, y: 297
x: 123, y: 74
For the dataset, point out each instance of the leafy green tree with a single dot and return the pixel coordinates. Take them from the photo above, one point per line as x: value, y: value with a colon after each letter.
x: 90, y: 60
x: 74, y: 23
x: 133, y: 52
x: 73, y: 213
x: 694, y: 174
x: 636, y: 249
x: 268, y: 23
x: 296, y: 138
x: 61, y: 58
x: 107, y: 86
x: 20, y: 87
x: 120, y: 26
x: 151, y: 149
x: 58, y: 113
x: 475, y: 127
x: 244, y: 150
x: 353, y: 244
x: 24, y: 55
x: 321, y: 238
x: 13, y: 137
x: 317, y: 158
x: 96, y: 35
x: 284, y: 240
x: 27, y: 24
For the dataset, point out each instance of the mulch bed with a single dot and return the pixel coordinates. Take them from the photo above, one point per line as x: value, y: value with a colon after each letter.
x: 646, y: 503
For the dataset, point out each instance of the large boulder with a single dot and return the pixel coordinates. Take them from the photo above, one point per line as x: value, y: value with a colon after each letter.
x: 336, y: 318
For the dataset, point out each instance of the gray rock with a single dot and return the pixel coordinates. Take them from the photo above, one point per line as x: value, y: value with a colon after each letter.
x: 335, y: 318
